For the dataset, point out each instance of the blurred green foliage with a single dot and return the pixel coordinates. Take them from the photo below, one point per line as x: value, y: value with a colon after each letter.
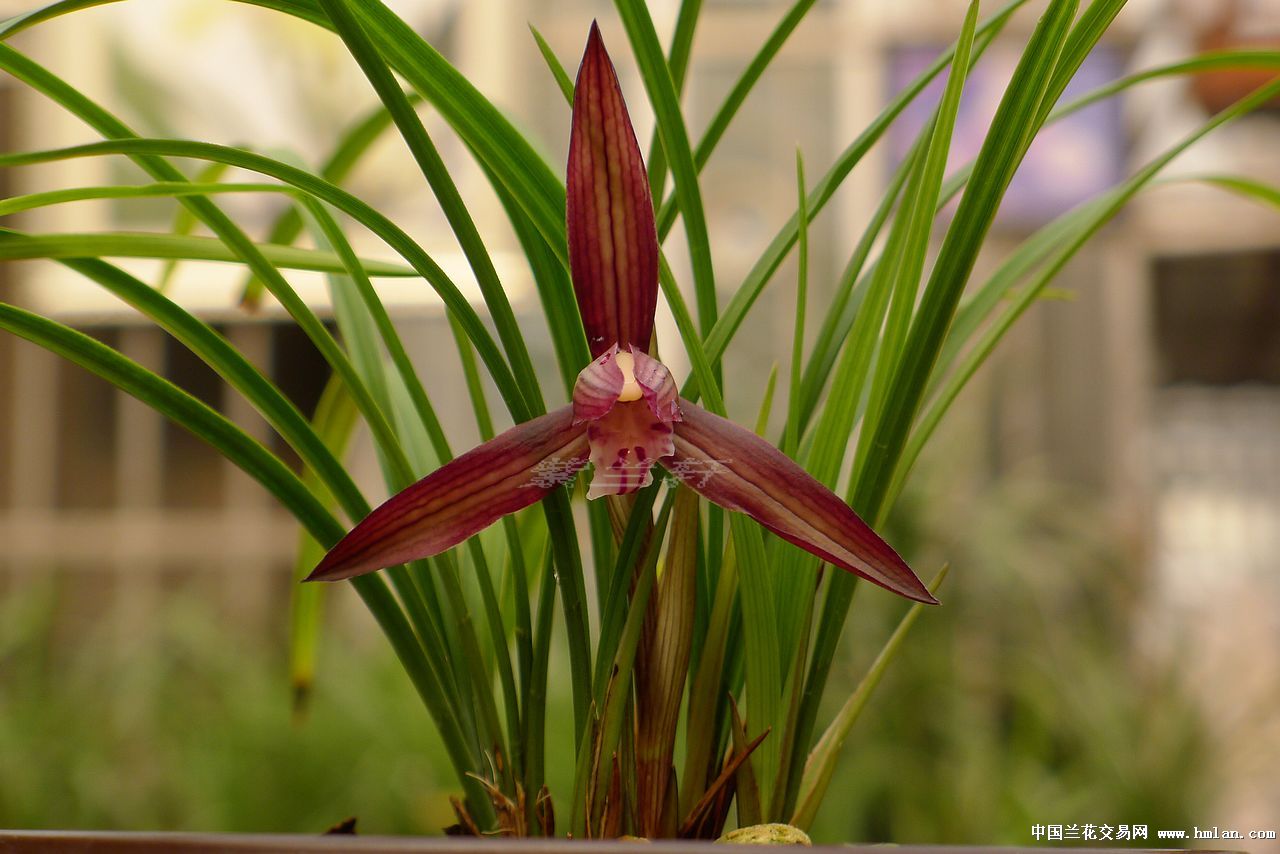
x: 1027, y: 697
x: 187, y: 725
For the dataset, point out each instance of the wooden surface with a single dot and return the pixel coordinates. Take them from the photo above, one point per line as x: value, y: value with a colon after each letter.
x: 84, y: 842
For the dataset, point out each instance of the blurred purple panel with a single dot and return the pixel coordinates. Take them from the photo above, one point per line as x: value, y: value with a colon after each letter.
x: 1071, y: 161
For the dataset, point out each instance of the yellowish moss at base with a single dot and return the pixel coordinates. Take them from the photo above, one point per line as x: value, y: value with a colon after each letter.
x: 766, y: 834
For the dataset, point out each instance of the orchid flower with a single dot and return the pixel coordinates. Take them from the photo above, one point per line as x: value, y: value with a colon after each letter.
x: 626, y: 414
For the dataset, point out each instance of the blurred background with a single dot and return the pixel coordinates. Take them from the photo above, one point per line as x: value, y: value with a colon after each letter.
x: 1107, y: 490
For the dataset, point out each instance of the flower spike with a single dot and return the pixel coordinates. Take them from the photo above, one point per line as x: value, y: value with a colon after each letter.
x: 613, y: 240
x: 626, y: 413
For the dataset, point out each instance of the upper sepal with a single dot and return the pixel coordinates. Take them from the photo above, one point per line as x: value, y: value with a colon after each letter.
x: 613, y: 241
x: 463, y: 497
x: 738, y: 470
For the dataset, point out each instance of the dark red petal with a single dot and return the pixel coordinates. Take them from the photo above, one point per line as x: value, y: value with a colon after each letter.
x: 463, y: 497
x: 738, y: 470
x: 659, y: 386
x: 597, y: 387
x: 613, y: 242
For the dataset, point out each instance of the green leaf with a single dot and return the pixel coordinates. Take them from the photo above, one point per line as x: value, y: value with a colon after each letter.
x: 1000, y: 155
x: 1065, y: 237
x: 762, y: 271
x: 433, y: 169
x: 482, y: 127
x: 733, y: 101
x: 1242, y: 186
x: 535, y: 692
x: 180, y: 407
x: 631, y: 551
x: 678, y: 65
x: 256, y: 461
x: 909, y: 242
x: 562, y: 78
x: 334, y: 424
x: 185, y: 222
x: 320, y: 189
x: 351, y: 147
x: 161, y: 189
x: 822, y: 760
x: 675, y: 142
x: 791, y: 440
x: 121, y: 244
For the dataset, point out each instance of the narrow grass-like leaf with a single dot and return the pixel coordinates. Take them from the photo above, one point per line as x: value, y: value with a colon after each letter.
x: 180, y: 407
x: 906, y: 260
x: 675, y: 142
x: 1242, y: 186
x: 1221, y: 60
x: 279, y: 412
x: 822, y: 760
x: 850, y: 294
x: 350, y: 148
x: 705, y: 697
x: 159, y: 189
x: 185, y: 222
x: 746, y: 789
x: 215, y: 351
x: 39, y: 78
x: 492, y: 610
x: 728, y: 109
x: 360, y: 315
x: 325, y: 191
x: 1000, y: 155
x: 761, y: 653
x: 791, y: 438
x: 562, y: 78
x: 762, y: 271
x: 334, y: 424
x: 784, y: 789
x: 119, y: 134
x: 838, y: 323
x: 632, y: 547
x: 235, y: 239
x: 557, y: 508
x: 551, y: 278
x: 535, y: 690
x: 1071, y: 233
x: 15, y: 247
x: 433, y: 169
x: 677, y: 65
